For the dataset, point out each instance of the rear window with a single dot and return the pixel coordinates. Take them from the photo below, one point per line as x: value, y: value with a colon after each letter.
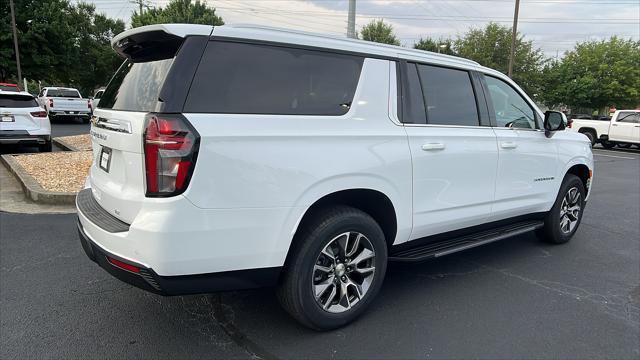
x: 17, y: 101
x: 8, y: 88
x: 260, y: 79
x: 63, y: 93
x: 135, y: 87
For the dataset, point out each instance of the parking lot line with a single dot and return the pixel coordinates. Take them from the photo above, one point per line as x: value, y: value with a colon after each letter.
x: 616, y: 156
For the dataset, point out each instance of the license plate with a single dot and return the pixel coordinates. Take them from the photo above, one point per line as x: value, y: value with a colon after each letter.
x: 72, y: 112
x: 7, y: 118
x: 105, y: 159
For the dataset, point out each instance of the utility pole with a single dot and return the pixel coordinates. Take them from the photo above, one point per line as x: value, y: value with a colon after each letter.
x: 141, y: 3
x: 513, y: 39
x: 15, y: 40
x: 351, y: 24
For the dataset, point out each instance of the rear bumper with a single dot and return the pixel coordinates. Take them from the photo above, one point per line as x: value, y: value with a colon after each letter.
x: 146, y: 279
x: 22, y: 137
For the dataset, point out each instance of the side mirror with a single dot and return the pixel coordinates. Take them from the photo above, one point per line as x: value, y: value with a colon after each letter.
x: 553, y: 121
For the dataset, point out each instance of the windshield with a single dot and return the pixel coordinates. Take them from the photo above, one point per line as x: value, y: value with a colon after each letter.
x: 136, y: 86
x: 63, y: 93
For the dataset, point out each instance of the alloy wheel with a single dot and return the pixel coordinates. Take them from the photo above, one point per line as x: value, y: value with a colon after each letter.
x: 343, y: 272
x: 570, y: 210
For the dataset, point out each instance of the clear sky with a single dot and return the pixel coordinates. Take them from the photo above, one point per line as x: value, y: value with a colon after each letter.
x: 553, y: 25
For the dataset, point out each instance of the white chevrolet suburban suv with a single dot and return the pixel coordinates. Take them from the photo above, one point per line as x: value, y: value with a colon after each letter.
x: 238, y: 157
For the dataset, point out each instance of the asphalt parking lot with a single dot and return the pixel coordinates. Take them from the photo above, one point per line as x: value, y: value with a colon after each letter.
x: 518, y: 298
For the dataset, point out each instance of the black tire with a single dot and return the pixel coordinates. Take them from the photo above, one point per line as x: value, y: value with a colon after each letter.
x: 52, y: 118
x: 296, y: 290
x: 591, y: 136
x: 607, y: 144
x: 552, y: 232
x: 46, y: 147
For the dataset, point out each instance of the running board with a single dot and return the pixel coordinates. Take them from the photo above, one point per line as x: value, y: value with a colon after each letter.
x: 450, y: 246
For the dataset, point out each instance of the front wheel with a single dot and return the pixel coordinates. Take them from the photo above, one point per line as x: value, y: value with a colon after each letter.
x: 562, y: 221
x: 335, y: 268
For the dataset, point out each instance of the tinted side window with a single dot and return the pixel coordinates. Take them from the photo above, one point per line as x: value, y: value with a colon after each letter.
x: 449, y: 96
x: 413, y: 110
x: 511, y: 109
x: 259, y: 79
x: 630, y: 117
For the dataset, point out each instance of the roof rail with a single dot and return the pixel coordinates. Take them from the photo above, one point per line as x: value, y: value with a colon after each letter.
x: 397, y: 49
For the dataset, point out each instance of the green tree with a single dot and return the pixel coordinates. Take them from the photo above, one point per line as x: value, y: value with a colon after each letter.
x: 60, y: 43
x: 178, y: 11
x: 443, y: 46
x: 380, y: 32
x: 595, y: 75
x: 491, y: 47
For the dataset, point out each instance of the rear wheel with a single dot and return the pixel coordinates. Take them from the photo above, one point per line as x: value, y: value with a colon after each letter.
x: 335, y: 269
x: 562, y: 221
x: 46, y: 147
x: 607, y: 144
x: 591, y: 136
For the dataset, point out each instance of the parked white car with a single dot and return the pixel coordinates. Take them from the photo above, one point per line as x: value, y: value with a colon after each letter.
x: 622, y: 129
x: 307, y: 162
x: 22, y: 121
x: 95, y: 100
x: 64, y: 102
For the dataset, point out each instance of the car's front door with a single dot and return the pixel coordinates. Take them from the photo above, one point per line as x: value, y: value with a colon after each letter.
x: 454, y: 157
x: 527, y: 178
x: 626, y: 127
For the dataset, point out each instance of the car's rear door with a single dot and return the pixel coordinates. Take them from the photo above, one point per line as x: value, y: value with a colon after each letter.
x: 454, y: 155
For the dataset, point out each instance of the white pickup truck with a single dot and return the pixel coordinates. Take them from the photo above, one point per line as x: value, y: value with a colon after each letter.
x: 623, y: 129
x: 64, y: 102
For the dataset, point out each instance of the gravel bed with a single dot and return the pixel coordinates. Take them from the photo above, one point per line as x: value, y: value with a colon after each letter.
x: 81, y: 142
x: 58, y: 171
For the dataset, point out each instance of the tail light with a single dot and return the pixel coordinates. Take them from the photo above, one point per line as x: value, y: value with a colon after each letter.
x: 170, y: 150
x: 89, y: 104
x: 50, y: 102
x: 39, y: 114
x: 569, y: 123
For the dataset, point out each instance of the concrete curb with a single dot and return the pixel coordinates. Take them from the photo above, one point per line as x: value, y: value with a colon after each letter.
x: 32, y: 189
x: 65, y: 145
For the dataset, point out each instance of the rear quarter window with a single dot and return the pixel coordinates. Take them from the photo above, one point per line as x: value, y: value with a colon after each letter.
x: 241, y: 78
x: 17, y: 101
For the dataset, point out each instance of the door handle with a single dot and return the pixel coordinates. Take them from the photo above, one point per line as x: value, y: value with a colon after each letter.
x: 614, y: 124
x: 508, y: 145
x: 433, y: 146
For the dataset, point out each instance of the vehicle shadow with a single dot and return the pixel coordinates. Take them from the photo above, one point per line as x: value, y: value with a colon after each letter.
x: 413, y: 295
